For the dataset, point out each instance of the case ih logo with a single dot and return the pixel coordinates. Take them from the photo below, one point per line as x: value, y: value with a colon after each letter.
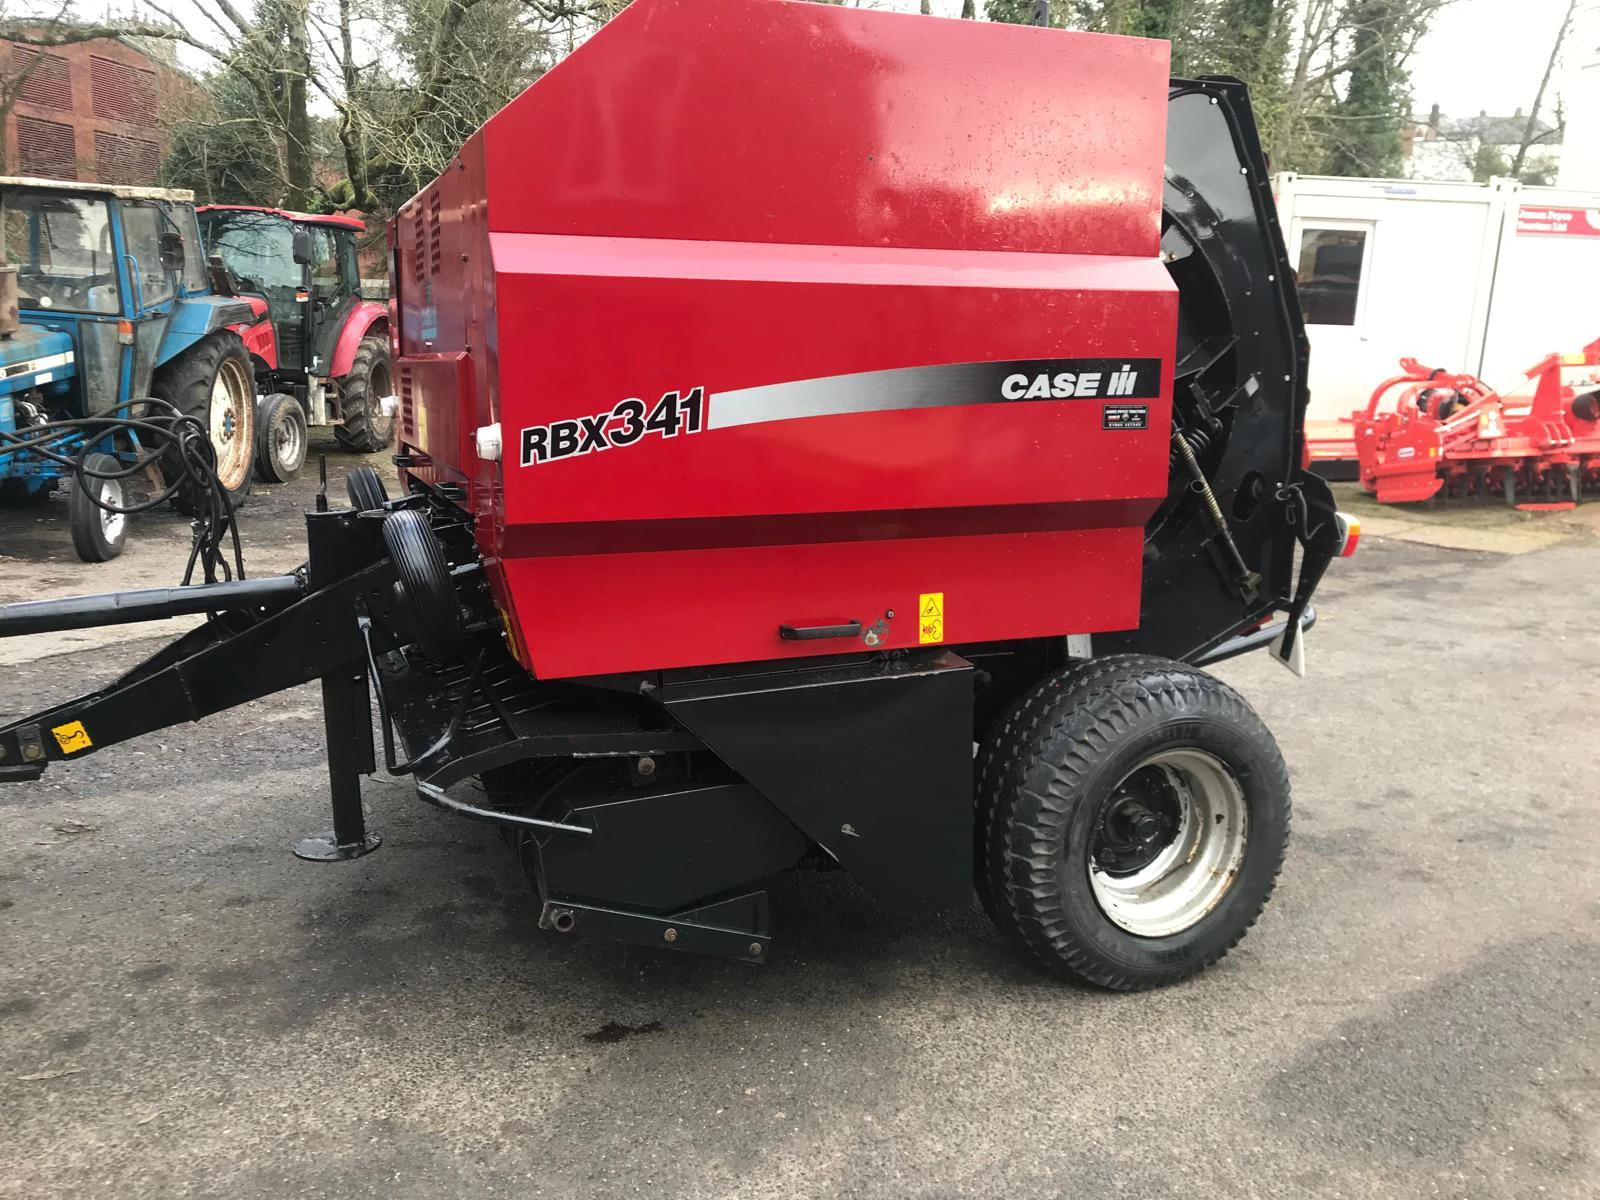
x: 626, y: 423
x: 898, y: 389
x: 1124, y: 381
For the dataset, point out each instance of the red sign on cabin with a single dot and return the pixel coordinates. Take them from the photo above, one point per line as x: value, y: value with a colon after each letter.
x: 1571, y: 222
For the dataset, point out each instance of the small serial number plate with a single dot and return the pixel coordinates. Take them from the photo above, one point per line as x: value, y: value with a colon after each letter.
x: 1125, y: 416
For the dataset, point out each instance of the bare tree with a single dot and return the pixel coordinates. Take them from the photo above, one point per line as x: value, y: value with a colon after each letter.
x: 407, y: 93
x: 1530, y: 129
x: 266, y: 49
x: 1323, y: 53
x: 392, y: 111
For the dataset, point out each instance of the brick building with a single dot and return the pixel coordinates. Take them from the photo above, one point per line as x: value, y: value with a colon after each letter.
x: 97, y: 111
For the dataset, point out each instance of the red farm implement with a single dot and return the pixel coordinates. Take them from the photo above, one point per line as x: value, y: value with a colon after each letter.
x: 1455, y: 436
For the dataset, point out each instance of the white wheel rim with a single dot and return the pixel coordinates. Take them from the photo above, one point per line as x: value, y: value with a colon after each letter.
x: 111, y: 523
x: 230, y: 424
x: 288, y: 444
x: 1183, y: 872
x: 379, y: 385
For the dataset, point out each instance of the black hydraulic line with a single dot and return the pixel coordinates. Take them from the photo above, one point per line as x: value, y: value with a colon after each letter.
x: 436, y: 795
x: 181, y: 448
x: 390, y: 761
x: 148, y: 604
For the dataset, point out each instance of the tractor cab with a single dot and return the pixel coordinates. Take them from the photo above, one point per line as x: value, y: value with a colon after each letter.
x: 102, y: 268
x: 316, y: 338
x: 113, y: 306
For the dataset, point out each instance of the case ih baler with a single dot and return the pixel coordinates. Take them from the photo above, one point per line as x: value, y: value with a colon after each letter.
x: 792, y: 398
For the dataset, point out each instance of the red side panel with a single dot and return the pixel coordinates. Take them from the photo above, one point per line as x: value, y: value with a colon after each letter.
x: 259, y: 338
x: 801, y: 315
x: 441, y: 292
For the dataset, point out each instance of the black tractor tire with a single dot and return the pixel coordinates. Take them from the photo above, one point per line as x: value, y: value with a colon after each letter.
x: 992, y: 760
x: 282, y: 438
x: 363, y: 427
x: 426, y: 592
x: 97, y: 535
x: 1059, y: 773
x: 189, y: 383
x: 365, y: 488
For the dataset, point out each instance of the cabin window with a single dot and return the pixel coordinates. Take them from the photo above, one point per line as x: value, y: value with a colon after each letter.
x: 1329, y: 275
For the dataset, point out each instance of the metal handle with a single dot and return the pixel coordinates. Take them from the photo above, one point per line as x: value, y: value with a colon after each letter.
x: 137, y: 282
x: 811, y: 633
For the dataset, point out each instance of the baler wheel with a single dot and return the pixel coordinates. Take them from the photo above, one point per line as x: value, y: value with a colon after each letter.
x: 425, y: 589
x: 1132, y: 819
x: 994, y: 758
x: 366, y: 490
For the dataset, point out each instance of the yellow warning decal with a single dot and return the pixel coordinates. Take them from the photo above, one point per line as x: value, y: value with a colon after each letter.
x: 72, y: 737
x: 510, y: 629
x: 930, y: 617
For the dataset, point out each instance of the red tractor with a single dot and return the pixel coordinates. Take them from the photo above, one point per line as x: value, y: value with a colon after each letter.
x: 321, y: 351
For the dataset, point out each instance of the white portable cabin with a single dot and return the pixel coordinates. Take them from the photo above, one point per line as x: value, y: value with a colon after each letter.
x: 1484, y: 278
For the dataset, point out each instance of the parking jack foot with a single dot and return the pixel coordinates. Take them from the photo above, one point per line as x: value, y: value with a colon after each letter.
x: 325, y: 847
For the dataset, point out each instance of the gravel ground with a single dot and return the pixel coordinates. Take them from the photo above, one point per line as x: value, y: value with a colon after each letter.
x: 187, y: 1010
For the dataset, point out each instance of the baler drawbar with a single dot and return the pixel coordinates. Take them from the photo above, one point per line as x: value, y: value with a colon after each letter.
x: 752, y: 479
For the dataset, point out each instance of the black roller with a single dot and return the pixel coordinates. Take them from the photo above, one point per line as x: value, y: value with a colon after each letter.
x: 426, y: 590
x: 366, y: 489
x: 1587, y: 407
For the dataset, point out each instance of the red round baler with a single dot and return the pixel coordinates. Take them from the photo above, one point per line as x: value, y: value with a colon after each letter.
x: 792, y: 399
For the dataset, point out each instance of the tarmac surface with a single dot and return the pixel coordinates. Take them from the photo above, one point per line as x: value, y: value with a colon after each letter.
x: 188, y: 1010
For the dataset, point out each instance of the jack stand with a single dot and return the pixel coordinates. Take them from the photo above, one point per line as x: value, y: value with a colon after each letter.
x: 347, y: 719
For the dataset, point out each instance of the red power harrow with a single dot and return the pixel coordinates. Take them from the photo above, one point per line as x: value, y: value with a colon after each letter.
x: 1456, y: 437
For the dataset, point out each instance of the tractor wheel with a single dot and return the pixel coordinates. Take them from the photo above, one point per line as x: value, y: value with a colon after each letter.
x: 281, y: 438
x: 97, y: 533
x: 212, y: 381
x: 365, y: 488
x: 1132, y: 819
x: 425, y: 590
x: 363, y: 428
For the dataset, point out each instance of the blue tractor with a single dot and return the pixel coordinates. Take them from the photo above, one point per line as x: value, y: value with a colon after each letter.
x: 106, y: 300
